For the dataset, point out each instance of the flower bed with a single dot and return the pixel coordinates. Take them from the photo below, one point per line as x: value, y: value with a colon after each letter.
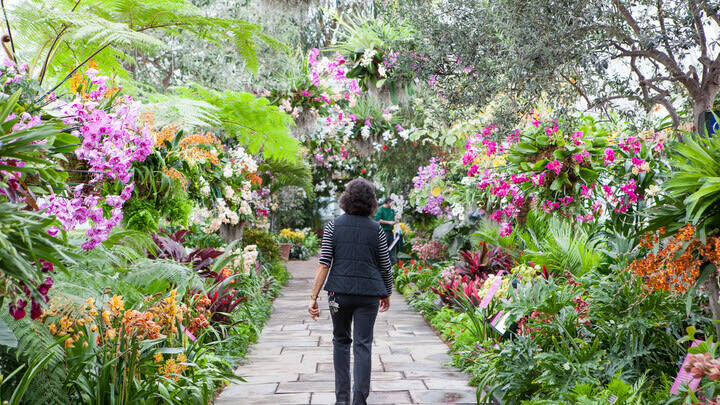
x: 109, y: 292
x: 573, y: 275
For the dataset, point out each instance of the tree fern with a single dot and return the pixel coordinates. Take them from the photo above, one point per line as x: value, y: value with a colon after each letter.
x: 365, y: 33
x: 255, y: 123
x: 54, y: 37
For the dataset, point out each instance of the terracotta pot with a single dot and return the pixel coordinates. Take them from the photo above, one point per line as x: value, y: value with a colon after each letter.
x: 285, y: 251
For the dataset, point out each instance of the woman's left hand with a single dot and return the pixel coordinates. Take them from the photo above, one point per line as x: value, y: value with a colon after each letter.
x: 314, y: 310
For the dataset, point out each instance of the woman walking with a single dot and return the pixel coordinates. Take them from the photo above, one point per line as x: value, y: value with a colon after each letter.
x: 355, y: 261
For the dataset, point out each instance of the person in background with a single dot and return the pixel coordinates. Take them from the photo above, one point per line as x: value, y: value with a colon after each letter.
x: 386, y: 217
x: 355, y: 268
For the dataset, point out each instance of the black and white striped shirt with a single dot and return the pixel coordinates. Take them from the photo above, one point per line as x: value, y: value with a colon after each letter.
x: 327, y: 252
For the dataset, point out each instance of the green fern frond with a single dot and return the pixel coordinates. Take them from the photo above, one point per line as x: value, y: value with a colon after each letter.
x: 286, y: 174
x: 365, y: 33
x: 255, y: 123
x: 34, y: 341
x: 75, y: 30
x: 185, y: 113
x: 156, y: 276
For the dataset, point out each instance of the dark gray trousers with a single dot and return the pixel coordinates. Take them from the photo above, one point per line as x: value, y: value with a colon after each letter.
x: 361, y: 311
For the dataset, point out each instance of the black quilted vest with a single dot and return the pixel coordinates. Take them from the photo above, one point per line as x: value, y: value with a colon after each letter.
x: 355, y: 267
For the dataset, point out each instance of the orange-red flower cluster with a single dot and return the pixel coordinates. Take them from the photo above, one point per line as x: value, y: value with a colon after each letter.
x: 140, y: 325
x: 201, y: 321
x: 676, y: 265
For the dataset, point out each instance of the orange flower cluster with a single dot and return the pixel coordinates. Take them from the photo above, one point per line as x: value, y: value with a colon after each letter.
x: 173, y: 367
x: 225, y: 273
x: 166, y: 134
x: 194, y: 140
x: 140, y: 325
x: 73, y: 321
x: 147, y: 118
x: 676, y: 266
x: 175, y: 175
x: 168, y: 313
x: 78, y: 85
x: 202, y: 303
x: 255, y: 179
x: 200, y: 148
x: 198, y: 323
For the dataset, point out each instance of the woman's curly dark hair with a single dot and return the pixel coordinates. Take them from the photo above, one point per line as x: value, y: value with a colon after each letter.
x: 359, y: 198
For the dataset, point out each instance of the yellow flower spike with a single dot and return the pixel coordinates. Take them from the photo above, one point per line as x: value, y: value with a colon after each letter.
x: 181, y: 358
x: 110, y: 334
x: 116, y: 304
x: 52, y: 328
x: 158, y: 357
x: 106, y: 317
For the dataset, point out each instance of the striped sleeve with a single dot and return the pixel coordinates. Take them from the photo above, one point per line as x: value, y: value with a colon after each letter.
x: 326, y: 248
x: 385, y: 265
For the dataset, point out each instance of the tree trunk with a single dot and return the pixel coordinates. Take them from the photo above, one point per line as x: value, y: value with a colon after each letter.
x: 704, y: 102
x: 231, y: 232
x: 713, y: 292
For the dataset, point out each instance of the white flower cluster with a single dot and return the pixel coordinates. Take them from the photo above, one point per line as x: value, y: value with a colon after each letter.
x: 240, y: 162
x: 367, y: 57
x: 457, y: 210
x: 203, y: 186
x: 400, y: 204
x: 225, y: 215
x: 245, y: 259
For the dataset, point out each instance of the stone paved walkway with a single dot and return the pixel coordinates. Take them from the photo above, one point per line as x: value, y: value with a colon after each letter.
x: 292, y: 362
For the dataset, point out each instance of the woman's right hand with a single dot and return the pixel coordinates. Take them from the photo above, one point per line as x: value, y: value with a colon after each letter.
x: 313, y: 309
x: 384, y: 304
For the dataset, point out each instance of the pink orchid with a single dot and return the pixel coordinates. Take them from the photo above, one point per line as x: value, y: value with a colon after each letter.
x: 555, y: 165
x: 609, y: 156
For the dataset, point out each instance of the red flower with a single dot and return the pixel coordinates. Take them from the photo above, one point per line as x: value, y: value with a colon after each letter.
x: 35, y: 311
x: 17, y: 310
x: 384, y: 147
x: 415, y: 143
x: 362, y: 171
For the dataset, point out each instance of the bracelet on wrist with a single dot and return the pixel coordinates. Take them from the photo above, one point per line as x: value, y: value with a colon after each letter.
x: 313, y: 297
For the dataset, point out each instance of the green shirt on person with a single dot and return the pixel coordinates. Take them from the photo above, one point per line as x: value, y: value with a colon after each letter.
x: 386, y: 214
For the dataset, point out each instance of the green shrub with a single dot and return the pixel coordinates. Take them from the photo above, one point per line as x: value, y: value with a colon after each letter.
x: 264, y: 241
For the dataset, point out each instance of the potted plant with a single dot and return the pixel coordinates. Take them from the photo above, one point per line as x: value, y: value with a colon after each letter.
x: 285, y: 251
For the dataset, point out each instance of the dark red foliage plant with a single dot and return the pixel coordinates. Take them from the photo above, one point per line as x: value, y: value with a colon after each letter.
x: 224, y: 298
x: 171, y: 248
x: 486, y: 260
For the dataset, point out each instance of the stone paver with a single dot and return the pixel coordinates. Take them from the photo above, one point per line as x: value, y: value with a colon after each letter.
x: 292, y: 361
